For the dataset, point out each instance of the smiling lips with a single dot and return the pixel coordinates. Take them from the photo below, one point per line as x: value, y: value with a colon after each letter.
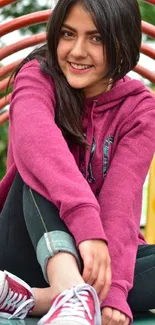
x: 80, y: 67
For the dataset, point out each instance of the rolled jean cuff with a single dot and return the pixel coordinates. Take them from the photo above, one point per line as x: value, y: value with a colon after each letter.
x: 53, y: 242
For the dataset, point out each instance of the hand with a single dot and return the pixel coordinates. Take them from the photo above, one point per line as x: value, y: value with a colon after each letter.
x: 97, y: 268
x: 112, y: 316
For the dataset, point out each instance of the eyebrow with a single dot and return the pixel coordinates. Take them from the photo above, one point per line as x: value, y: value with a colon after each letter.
x: 90, y: 32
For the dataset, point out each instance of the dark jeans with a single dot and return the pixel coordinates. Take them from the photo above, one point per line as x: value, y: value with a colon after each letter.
x: 20, y: 231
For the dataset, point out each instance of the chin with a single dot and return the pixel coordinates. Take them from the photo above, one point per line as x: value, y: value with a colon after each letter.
x: 77, y: 85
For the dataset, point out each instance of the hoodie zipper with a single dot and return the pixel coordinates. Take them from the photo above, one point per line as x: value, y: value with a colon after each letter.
x: 106, y: 154
x: 91, y: 179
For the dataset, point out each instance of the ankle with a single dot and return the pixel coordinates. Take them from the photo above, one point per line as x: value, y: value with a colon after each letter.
x: 42, y: 298
x: 63, y: 273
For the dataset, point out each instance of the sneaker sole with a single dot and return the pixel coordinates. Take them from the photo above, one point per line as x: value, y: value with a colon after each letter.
x: 2, y: 282
x: 65, y: 322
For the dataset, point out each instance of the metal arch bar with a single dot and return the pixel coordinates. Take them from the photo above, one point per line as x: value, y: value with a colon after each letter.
x: 148, y: 50
x: 4, y: 3
x: 4, y: 117
x: 9, y: 68
x: 20, y: 45
x: 4, y: 83
x: 4, y: 70
x: 7, y: 2
x: 5, y: 101
x: 148, y: 29
x: 145, y: 73
x: 42, y: 16
x: 24, y: 21
x: 150, y: 1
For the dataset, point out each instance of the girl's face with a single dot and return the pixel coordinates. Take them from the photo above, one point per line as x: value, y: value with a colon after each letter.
x: 80, y: 53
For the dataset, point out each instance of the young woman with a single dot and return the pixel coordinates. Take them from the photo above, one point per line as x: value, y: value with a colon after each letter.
x: 81, y: 140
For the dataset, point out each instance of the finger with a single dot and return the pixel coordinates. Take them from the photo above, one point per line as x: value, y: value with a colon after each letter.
x: 115, y: 319
x: 100, y: 280
x: 88, y: 267
x: 122, y: 319
x: 94, y: 275
x: 106, y: 315
x: 107, y: 284
x: 127, y: 321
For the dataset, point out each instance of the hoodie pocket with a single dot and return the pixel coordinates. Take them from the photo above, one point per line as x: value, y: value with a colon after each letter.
x: 107, y: 147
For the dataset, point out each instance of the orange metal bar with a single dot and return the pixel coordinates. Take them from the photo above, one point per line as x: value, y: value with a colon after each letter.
x: 25, y: 43
x: 26, y: 20
x: 5, y: 70
x: 145, y: 73
x: 148, y: 50
x: 150, y: 225
x: 6, y: 2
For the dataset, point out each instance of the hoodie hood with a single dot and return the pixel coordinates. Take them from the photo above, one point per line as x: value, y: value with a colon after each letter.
x: 122, y: 88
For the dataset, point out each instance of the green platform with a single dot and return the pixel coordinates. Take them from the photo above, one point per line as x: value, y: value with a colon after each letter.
x: 139, y: 319
x: 147, y: 319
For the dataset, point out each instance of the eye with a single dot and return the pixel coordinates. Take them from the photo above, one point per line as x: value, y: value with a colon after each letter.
x: 67, y: 34
x: 97, y: 39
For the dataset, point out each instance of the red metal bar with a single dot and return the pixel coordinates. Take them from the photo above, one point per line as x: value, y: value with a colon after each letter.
x: 6, y: 2
x: 4, y: 83
x: 5, y: 101
x: 145, y: 73
x: 42, y: 16
x: 148, y: 50
x: 5, y: 70
x: 20, y: 45
x: 4, y: 117
x: 150, y: 1
x: 26, y: 20
x: 148, y: 29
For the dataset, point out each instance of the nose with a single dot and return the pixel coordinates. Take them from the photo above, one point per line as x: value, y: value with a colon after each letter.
x: 79, y: 49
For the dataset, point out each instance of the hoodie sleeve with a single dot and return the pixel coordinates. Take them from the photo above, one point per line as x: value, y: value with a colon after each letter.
x: 120, y: 199
x: 43, y: 158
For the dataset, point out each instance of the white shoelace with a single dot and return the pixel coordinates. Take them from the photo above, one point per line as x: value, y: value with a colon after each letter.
x: 76, y: 307
x: 74, y: 303
x: 18, y: 301
x: 12, y: 300
x: 23, y: 309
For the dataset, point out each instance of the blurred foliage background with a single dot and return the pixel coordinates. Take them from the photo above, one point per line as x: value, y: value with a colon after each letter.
x: 25, y: 7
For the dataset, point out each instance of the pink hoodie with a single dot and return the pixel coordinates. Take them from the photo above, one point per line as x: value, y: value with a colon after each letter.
x: 99, y: 193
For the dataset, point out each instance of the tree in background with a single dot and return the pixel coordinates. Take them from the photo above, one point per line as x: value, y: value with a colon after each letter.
x: 25, y: 7
x: 147, y: 11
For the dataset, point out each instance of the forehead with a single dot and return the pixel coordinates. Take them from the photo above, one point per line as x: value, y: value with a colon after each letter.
x: 79, y: 18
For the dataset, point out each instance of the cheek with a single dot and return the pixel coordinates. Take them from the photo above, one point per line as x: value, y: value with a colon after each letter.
x: 62, y: 51
x: 98, y: 55
x: 59, y: 52
x: 100, y: 61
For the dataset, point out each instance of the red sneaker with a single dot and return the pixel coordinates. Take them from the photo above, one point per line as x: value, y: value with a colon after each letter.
x: 77, y: 306
x: 16, y: 298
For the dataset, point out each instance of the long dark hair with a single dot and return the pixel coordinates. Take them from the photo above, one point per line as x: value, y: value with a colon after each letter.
x: 119, y: 24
